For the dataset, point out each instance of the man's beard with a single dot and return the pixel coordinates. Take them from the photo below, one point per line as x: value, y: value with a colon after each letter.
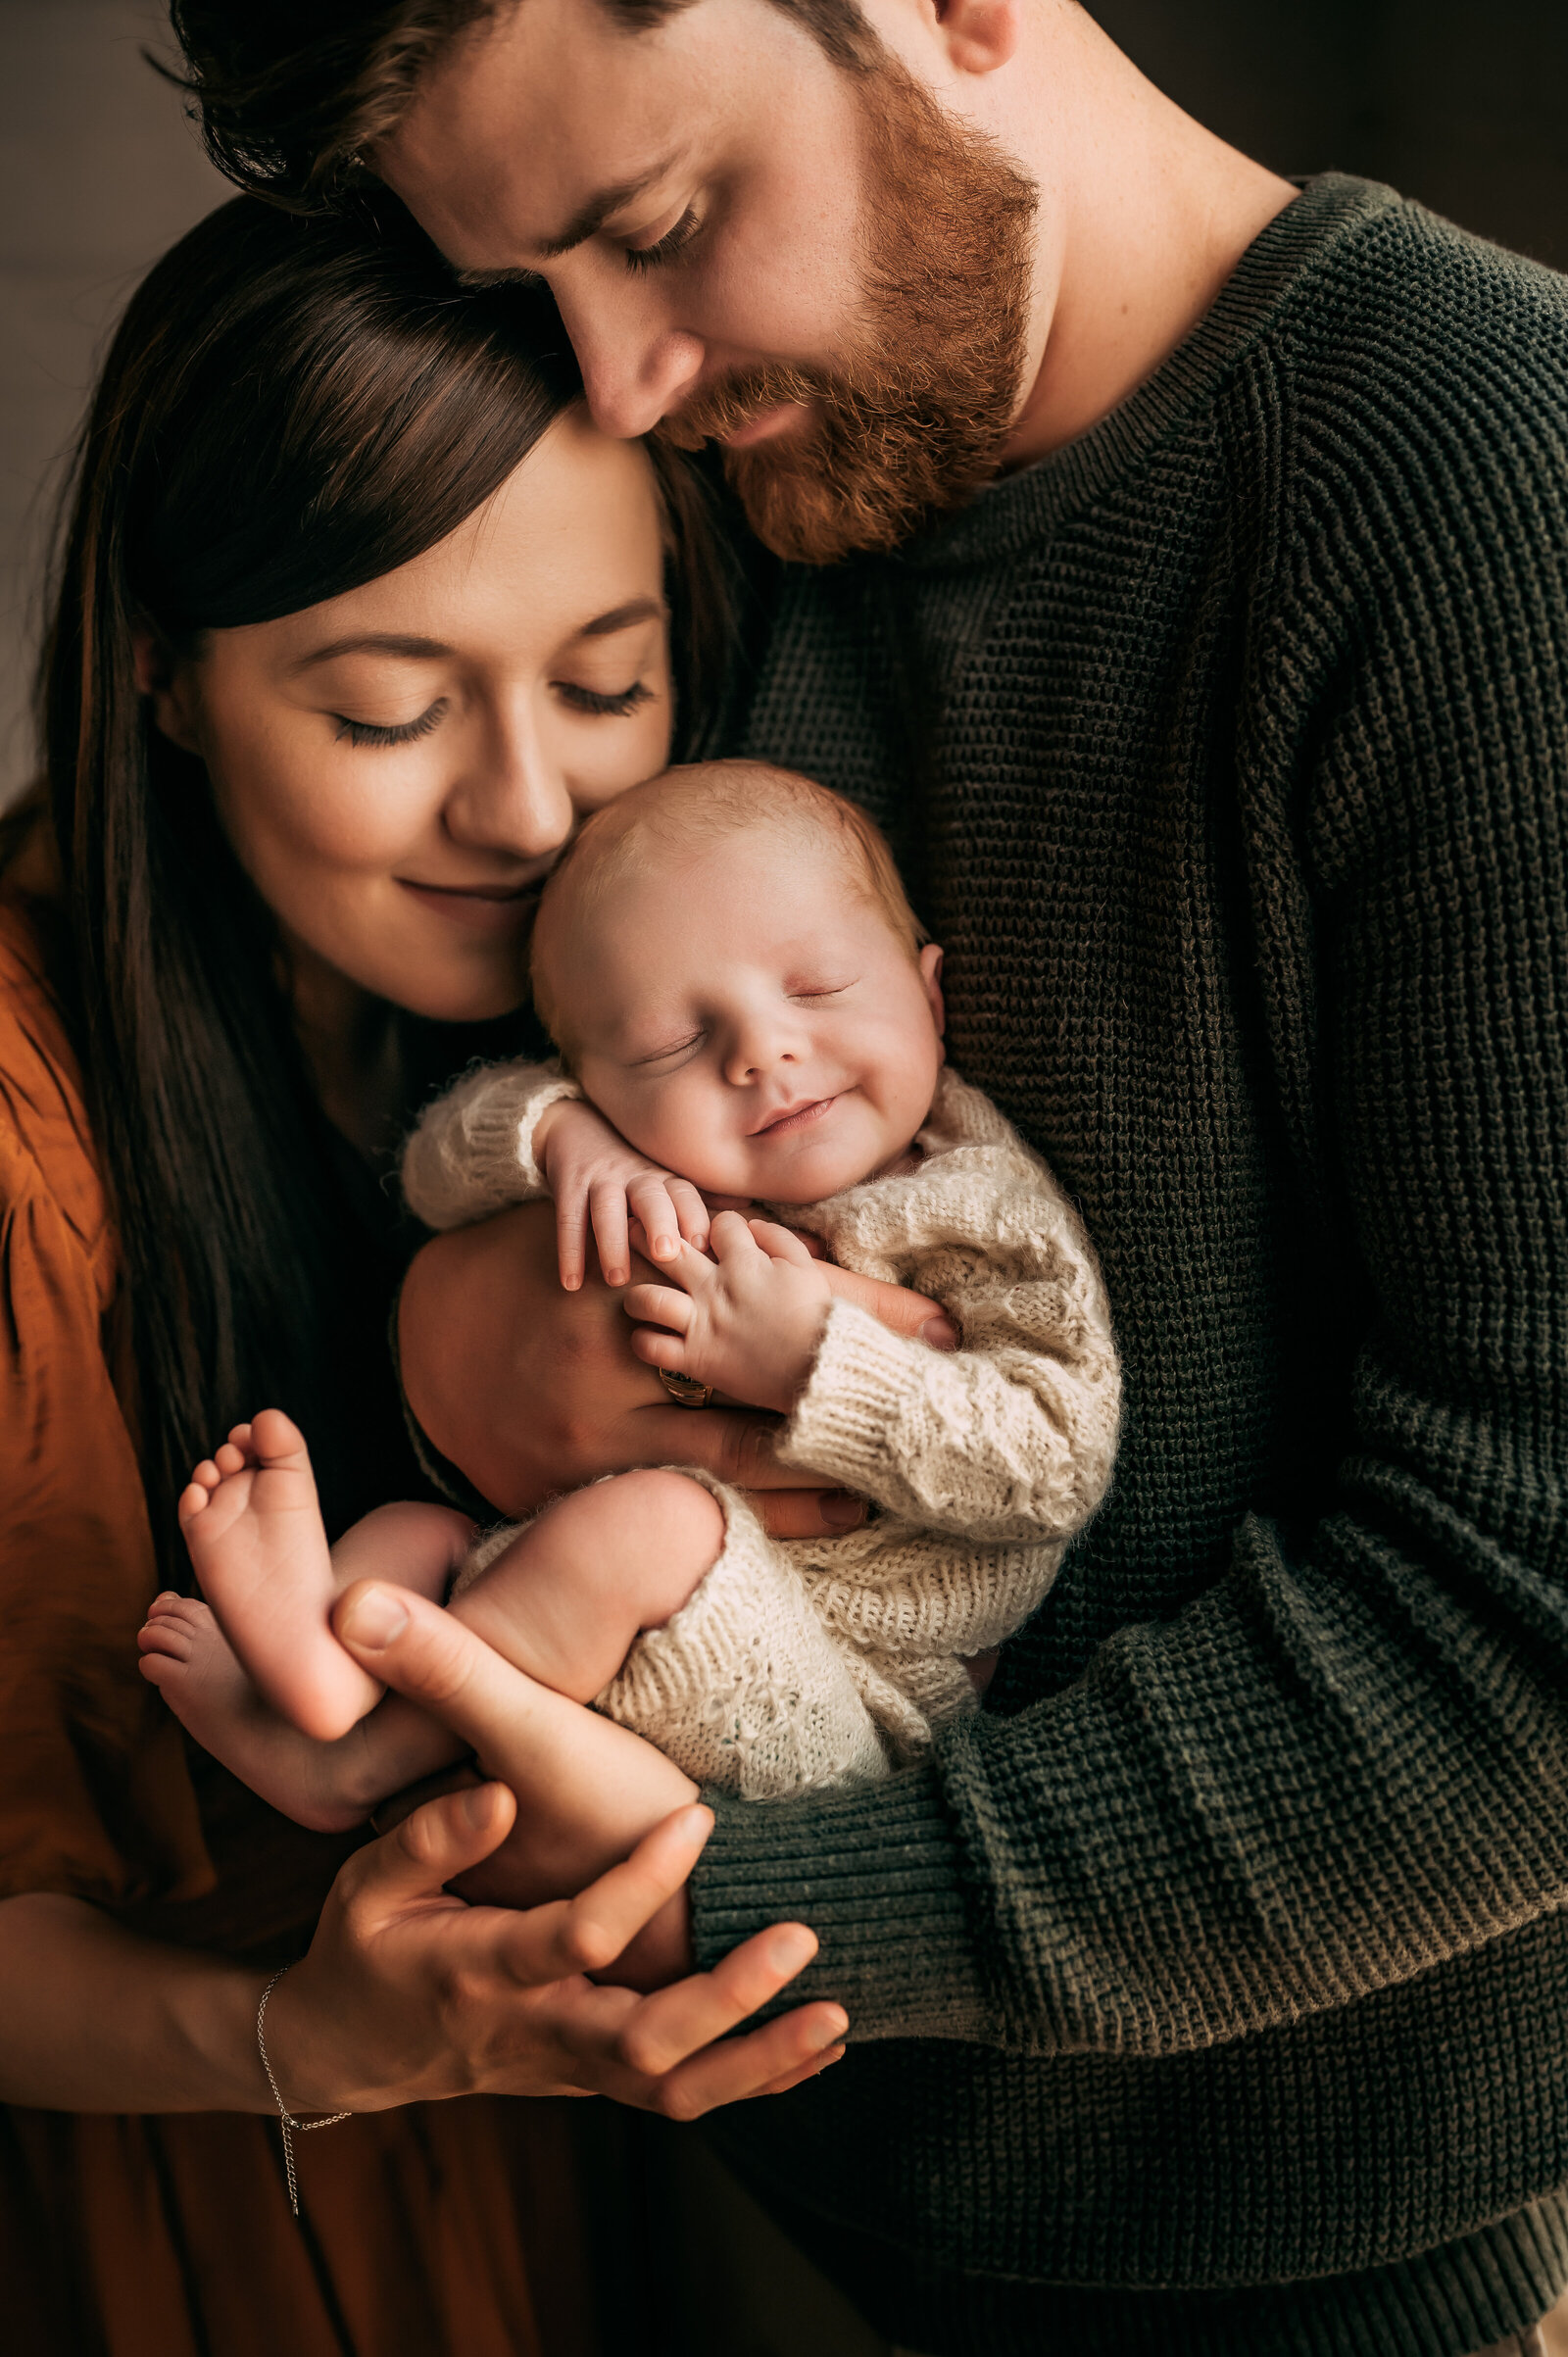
x: 914, y: 421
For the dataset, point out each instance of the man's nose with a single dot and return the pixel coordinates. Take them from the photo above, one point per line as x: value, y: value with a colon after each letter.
x: 635, y: 370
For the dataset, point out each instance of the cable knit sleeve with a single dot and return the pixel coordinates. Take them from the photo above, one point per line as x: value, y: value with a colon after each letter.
x: 471, y: 1151
x: 1011, y: 1437
x: 1341, y: 1765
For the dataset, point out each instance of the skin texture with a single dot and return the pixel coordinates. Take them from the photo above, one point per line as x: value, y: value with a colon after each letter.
x: 742, y: 1013
x: 749, y: 128
x: 405, y: 1994
x: 731, y: 119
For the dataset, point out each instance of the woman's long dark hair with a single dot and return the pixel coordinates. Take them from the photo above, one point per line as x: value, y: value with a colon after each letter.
x: 291, y: 408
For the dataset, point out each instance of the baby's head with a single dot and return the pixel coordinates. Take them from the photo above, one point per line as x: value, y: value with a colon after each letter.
x: 727, y: 963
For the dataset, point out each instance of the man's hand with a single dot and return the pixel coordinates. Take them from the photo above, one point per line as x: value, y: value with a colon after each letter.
x: 533, y: 1389
x: 747, y: 1322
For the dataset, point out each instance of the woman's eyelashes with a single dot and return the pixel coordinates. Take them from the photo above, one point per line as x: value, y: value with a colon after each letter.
x: 665, y: 248
x: 370, y: 732
x: 580, y: 699
x: 590, y: 700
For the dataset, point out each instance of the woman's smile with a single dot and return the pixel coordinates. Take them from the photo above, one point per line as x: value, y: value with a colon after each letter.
x: 484, y: 908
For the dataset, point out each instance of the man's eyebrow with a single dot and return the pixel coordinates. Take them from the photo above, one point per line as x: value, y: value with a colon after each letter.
x: 375, y: 642
x: 621, y: 618
x: 592, y: 217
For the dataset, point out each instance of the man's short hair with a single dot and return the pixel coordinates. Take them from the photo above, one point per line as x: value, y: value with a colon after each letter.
x: 293, y: 95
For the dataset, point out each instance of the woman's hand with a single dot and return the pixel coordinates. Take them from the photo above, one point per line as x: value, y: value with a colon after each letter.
x: 589, y: 1790
x: 533, y: 1390
x: 603, y: 1187
x: 408, y: 1994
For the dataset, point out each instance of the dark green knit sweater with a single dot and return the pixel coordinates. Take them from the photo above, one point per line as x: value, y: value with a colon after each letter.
x: 1209, y: 1990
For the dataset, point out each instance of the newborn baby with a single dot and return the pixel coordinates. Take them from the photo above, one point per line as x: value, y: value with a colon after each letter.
x: 728, y: 965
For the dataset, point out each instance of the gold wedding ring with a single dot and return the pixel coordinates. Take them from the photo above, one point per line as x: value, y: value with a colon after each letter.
x: 685, y: 1389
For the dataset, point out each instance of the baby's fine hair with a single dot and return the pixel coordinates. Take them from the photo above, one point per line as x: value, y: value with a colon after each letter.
x: 701, y: 804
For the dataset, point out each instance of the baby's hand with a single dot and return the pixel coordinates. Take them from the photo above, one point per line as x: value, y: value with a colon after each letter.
x: 747, y: 1322
x: 599, y: 1183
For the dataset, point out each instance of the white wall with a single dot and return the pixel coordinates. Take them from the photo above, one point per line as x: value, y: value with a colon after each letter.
x: 99, y: 173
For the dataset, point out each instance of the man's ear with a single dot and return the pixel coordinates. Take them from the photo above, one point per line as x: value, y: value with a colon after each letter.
x: 169, y: 687
x: 931, y: 976
x: 979, y: 36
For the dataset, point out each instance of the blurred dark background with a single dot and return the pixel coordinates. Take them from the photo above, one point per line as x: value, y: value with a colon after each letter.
x: 1458, y: 104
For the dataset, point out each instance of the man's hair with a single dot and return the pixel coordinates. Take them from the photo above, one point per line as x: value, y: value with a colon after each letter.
x: 293, y: 95
x: 702, y: 803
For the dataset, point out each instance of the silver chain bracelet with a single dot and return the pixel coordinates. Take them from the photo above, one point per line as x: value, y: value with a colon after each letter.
x: 285, y: 2118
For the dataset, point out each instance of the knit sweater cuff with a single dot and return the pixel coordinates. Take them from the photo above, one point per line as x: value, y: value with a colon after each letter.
x: 876, y: 1870
x: 473, y: 1150
x: 549, y: 1093
x: 840, y: 1421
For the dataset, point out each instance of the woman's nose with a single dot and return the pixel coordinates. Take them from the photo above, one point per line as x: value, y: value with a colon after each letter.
x: 513, y: 797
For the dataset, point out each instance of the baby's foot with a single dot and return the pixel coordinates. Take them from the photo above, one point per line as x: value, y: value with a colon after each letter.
x: 253, y: 1524
x: 186, y: 1656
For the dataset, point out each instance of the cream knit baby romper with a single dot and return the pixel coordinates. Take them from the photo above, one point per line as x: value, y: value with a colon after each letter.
x: 809, y: 1662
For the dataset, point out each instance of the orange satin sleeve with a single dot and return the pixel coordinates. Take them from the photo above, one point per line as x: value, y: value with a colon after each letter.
x: 94, y: 1795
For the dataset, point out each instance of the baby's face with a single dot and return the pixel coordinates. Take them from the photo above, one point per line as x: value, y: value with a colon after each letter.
x: 746, y: 1015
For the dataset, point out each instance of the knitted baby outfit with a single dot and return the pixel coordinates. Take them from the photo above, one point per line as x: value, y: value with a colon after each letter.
x: 802, y: 1664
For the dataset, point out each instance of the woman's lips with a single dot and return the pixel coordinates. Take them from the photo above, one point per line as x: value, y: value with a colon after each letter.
x: 480, y: 907
x: 797, y: 1118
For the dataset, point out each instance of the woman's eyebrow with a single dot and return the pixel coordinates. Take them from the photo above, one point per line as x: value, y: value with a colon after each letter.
x: 375, y: 642
x: 621, y: 618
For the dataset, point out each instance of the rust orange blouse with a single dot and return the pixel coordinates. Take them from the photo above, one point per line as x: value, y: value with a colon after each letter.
x: 434, y: 2229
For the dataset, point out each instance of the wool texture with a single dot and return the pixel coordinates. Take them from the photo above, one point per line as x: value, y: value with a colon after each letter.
x: 1209, y: 1987
x: 803, y: 1664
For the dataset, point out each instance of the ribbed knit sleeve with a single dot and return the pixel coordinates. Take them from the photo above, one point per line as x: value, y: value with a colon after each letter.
x: 471, y: 1151
x: 1345, y: 1760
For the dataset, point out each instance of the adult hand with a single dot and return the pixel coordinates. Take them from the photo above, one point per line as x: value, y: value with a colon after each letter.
x: 534, y: 1390
x: 409, y: 1994
x: 588, y: 1791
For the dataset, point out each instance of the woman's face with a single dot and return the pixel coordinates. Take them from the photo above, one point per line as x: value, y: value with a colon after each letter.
x: 398, y: 767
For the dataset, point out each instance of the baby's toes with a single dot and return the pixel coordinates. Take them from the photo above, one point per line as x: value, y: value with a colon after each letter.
x: 193, y: 1498
x: 230, y: 1459
x: 170, y: 1638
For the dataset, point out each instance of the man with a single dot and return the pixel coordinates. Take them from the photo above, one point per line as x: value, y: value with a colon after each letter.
x: 1175, y: 562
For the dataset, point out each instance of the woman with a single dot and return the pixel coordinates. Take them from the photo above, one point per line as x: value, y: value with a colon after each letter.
x: 355, y: 616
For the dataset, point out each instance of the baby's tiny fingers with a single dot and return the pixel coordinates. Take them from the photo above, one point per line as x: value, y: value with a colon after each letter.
x: 732, y: 1238
x: 782, y: 1243
x: 655, y: 1348
x: 649, y: 1196
x: 607, y: 1209
x: 659, y: 1306
x: 691, y: 1212
x: 571, y: 1223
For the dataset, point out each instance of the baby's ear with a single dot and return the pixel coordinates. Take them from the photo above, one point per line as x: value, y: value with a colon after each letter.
x: 931, y: 976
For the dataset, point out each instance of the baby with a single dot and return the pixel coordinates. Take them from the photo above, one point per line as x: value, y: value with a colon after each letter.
x: 743, y: 1010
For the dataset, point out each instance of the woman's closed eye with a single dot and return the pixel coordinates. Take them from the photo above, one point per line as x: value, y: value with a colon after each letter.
x: 374, y: 732
x: 592, y: 700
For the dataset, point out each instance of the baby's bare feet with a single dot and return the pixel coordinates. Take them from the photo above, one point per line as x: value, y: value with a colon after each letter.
x: 184, y: 1653
x: 253, y: 1524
